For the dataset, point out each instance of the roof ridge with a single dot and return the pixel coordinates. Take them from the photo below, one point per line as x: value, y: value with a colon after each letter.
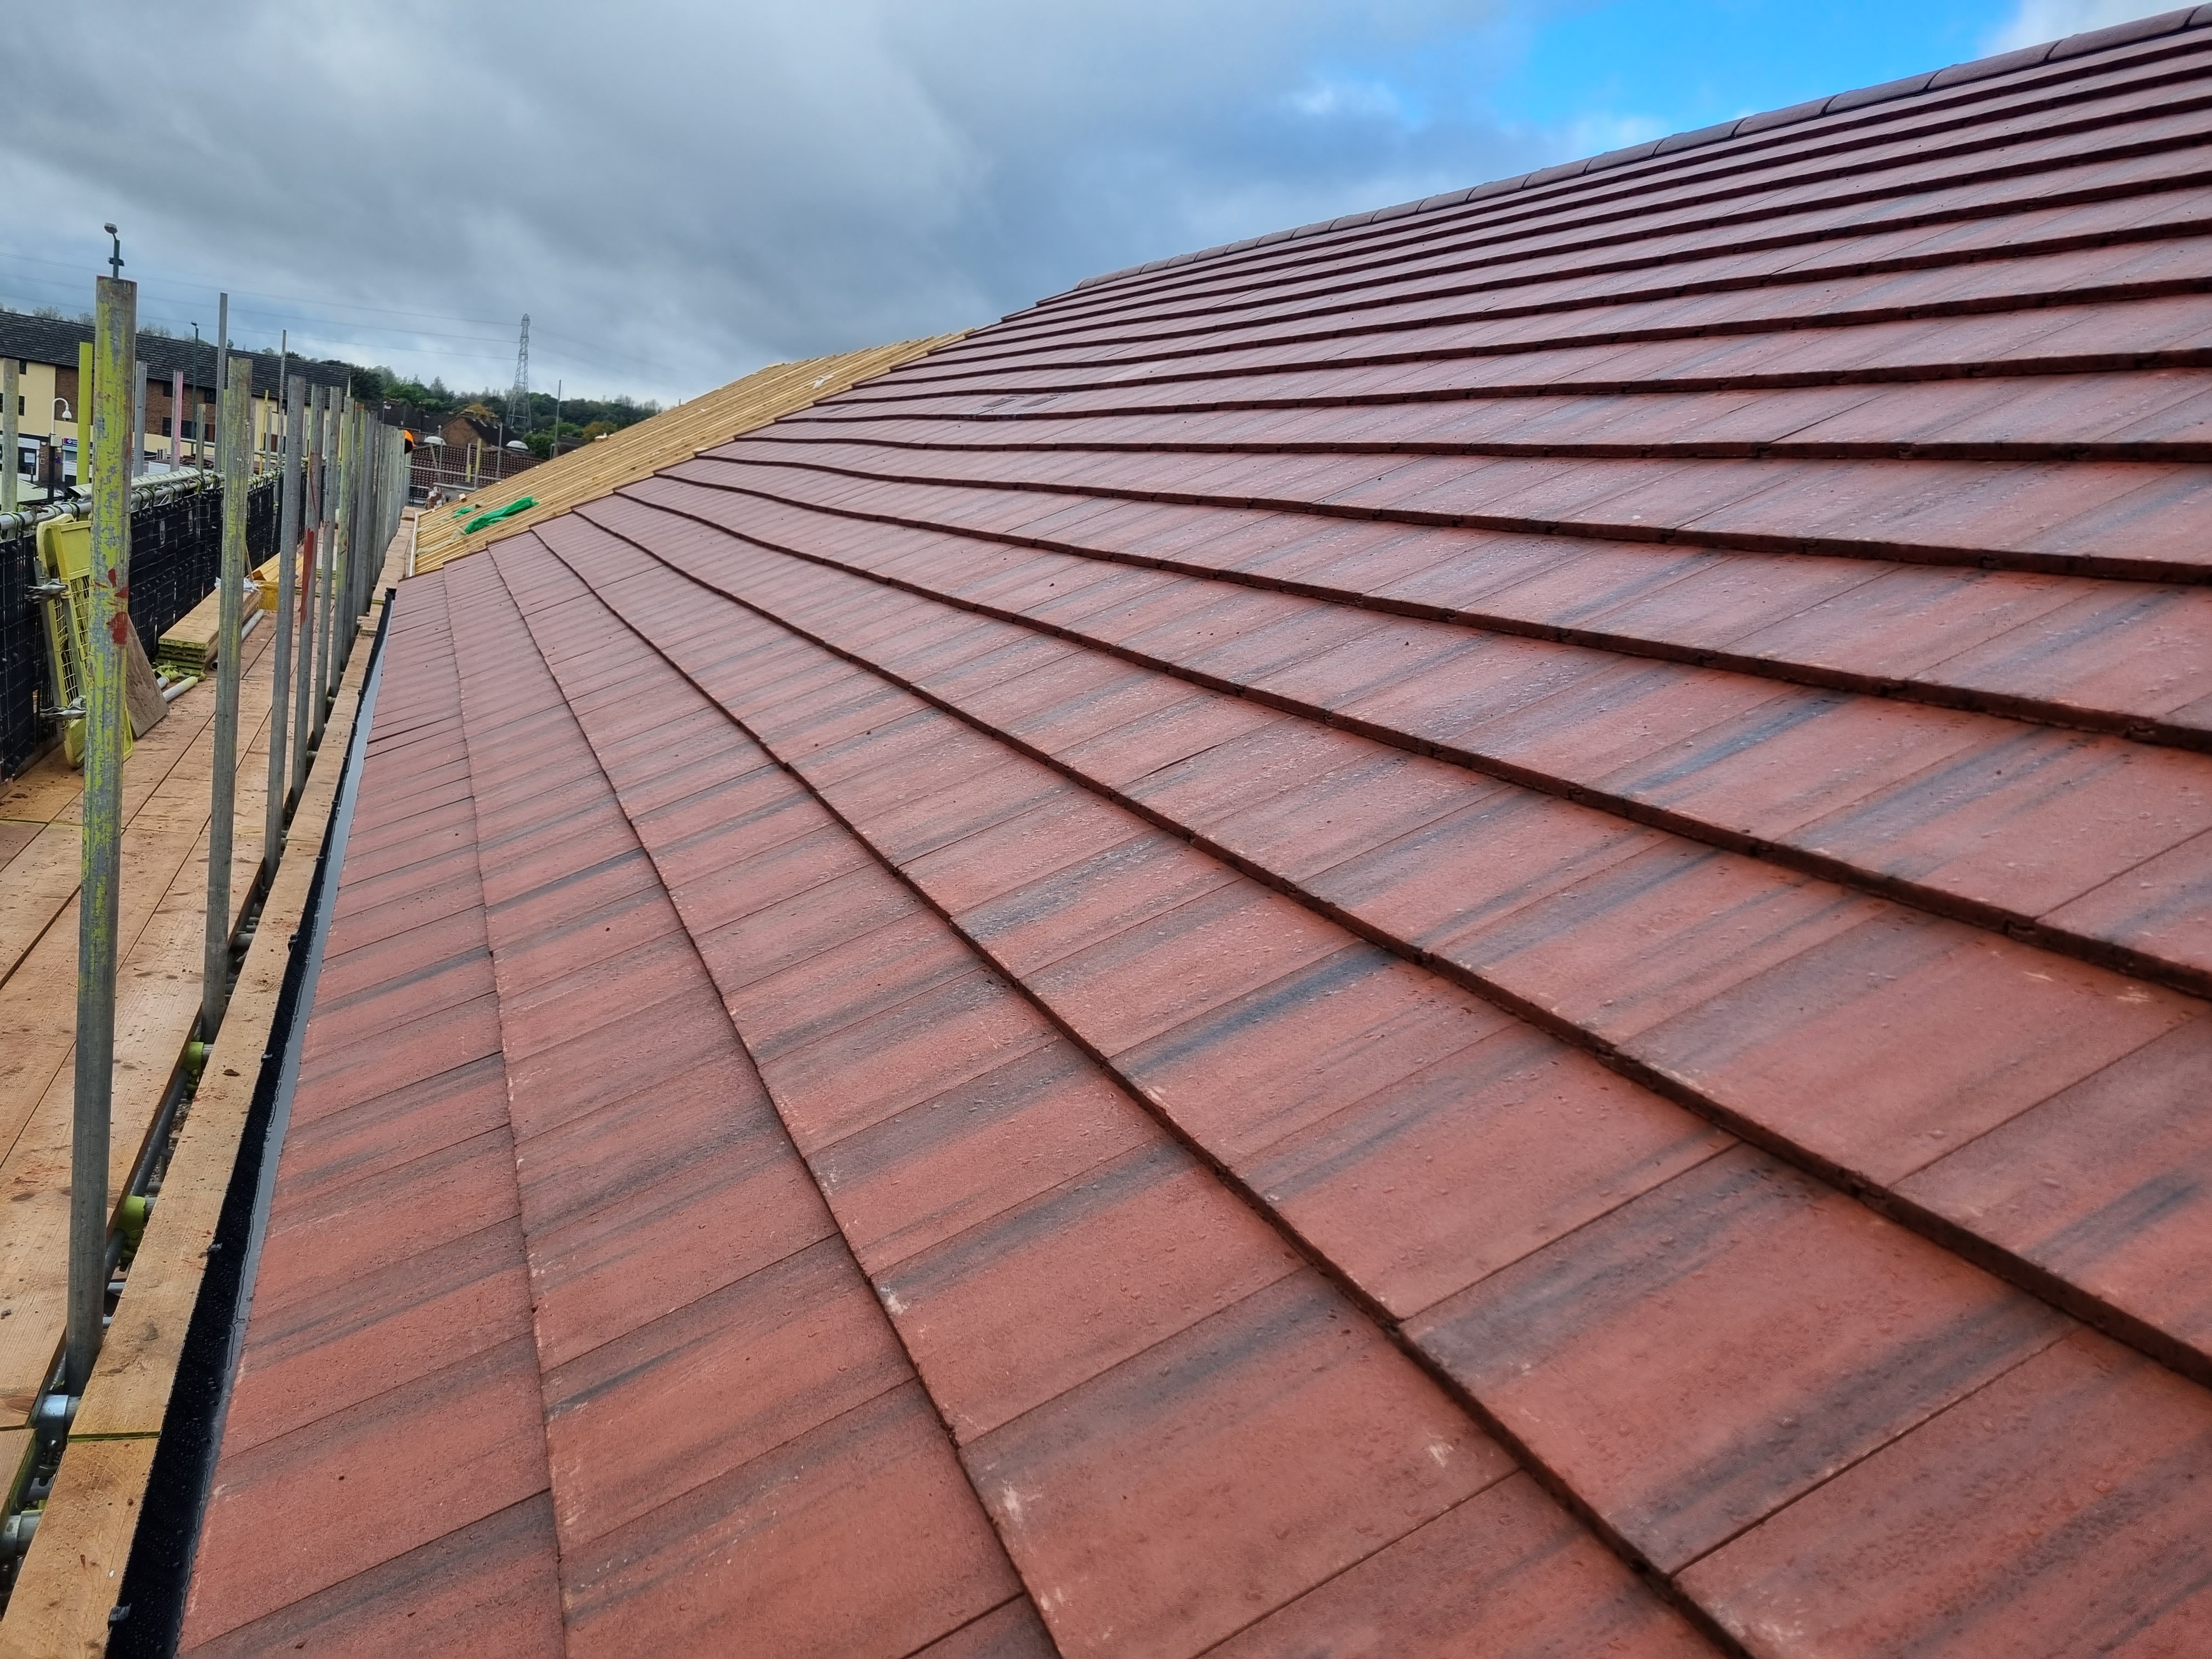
x: 1977, y: 68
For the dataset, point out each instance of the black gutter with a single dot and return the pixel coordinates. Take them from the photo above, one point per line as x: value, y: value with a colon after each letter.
x: 148, y: 1616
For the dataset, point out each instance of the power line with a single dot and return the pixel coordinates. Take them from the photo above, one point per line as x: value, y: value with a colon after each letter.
x: 576, y: 346
x: 342, y: 332
x: 286, y: 317
x: 281, y: 299
x: 403, y: 342
x: 310, y: 338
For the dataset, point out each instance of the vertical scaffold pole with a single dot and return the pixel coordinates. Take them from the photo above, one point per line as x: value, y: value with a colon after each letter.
x: 395, y: 489
x: 106, y: 457
x: 324, y: 608
x: 234, y: 423
x: 356, y: 538
x: 341, y: 548
x: 395, y: 493
x: 365, y: 534
x: 311, y: 451
x: 138, y: 418
x: 341, y: 590
x: 379, y: 471
x: 280, y: 697
x: 221, y: 377
x: 85, y: 359
x: 331, y: 408
x: 312, y: 613
x: 371, y: 510
x: 9, y: 397
x: 311, y: 567
x: 371, y: 507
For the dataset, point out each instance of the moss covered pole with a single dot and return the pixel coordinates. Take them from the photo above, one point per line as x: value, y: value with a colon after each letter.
x: 108, y: 458
x: 310, y: 443
x: 234, y: 422
x: 280, y: 698
x: 328, y: 539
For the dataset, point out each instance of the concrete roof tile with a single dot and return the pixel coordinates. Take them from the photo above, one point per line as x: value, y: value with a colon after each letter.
x: 1563, y: 806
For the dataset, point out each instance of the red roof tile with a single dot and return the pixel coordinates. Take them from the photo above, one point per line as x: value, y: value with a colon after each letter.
x: 1478, y: 931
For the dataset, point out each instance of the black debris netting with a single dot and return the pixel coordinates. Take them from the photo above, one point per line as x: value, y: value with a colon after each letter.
x: 176, y: 553
x: 22, y: 652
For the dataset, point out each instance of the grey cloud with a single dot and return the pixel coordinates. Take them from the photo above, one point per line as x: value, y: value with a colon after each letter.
x: 678, y: 192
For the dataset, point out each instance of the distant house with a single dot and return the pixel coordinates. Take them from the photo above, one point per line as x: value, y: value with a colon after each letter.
x: 47, y: 415
x: 466, y: 451
x: 463, y: 429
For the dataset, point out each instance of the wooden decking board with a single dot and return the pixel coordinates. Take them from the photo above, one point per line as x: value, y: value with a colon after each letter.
x: 38, y: 1008
x: 157, y: 998
x: 95, y: 1511
x: 39, y: 993
x: 40, y: 883
x: 155, y: 1006
x: 51, y: 788
x: 17, y: 834
x: 252, y: 693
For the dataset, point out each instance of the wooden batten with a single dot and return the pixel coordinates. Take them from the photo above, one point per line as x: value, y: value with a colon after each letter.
x: 599, y: 468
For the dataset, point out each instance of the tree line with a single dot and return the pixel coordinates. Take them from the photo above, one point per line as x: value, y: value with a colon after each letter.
x: 582, y: 419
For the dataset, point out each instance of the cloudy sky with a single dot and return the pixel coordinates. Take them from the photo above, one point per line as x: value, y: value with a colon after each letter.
x: 678, y: 192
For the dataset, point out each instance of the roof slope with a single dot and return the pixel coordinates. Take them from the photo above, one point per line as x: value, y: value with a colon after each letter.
x: 1482, y: 933
x: 595, y: 469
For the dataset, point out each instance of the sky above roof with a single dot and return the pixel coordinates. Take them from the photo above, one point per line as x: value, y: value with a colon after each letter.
x: 678, y: 193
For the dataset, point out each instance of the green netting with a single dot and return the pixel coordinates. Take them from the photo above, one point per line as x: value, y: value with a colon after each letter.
x: 497, y: 513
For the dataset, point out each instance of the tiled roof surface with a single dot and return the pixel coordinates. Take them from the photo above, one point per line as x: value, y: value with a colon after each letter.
x: 1482, y: 933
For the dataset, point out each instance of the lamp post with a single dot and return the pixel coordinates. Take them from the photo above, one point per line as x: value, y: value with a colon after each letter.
x: 61, y: 412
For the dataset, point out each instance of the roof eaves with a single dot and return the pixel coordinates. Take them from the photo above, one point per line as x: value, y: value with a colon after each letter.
x: 1979, y: 69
